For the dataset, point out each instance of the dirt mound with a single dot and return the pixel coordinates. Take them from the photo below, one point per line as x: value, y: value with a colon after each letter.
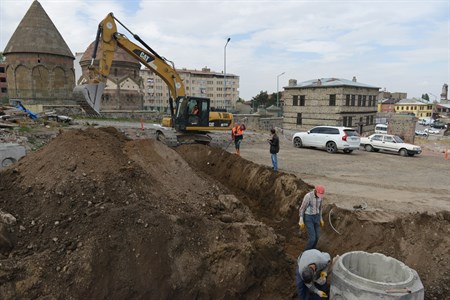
x: 100, y: 216
x: 103, y: 216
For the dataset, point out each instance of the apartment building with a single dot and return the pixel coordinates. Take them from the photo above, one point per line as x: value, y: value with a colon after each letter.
x: 416, y: 107
x: 203, y: 83
x: 330, y: 101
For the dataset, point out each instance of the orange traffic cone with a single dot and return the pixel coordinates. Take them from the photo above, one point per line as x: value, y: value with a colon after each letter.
x: 446, y: 154
x: 142, y: 124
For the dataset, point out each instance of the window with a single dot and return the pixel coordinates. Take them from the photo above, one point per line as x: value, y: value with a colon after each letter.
x: 4, y: 90
x: 347, y: 100
x: 353, y: 100
x: 302, y: 100
x: 364, y: 101
x: 299, y: 119
x: 347, y: 121
x: 371, y: 120
x: 367, y: 120
x: 332, y: 101
x: 377, y: 138
x: 2, y: 69
x: 331, y: 131
x: 370, y: 101
x: 316, y: 130
x: 295, y: 100
x: 388, y: 139
x: 359, y: 100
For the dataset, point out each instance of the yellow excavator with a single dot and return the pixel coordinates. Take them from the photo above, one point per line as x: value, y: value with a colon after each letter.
x: 190, y: 117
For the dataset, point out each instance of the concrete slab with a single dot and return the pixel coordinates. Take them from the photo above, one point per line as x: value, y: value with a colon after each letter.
x: 10, y: 153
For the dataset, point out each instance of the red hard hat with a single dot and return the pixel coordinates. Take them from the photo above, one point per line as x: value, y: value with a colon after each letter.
x: 320, y: 190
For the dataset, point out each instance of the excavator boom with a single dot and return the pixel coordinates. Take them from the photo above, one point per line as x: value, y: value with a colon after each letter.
x: 183, y: 118
x: 89, y: 94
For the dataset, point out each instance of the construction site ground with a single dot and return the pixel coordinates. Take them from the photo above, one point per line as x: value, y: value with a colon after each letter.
x: 105, y: 211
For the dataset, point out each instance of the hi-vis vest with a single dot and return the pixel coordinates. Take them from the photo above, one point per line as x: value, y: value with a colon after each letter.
x: 238, y: 130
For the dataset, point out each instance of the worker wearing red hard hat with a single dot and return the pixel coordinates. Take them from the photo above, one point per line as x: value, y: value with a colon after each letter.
x: 310, y: 213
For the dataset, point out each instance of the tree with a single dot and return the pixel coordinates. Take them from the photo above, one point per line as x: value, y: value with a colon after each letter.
x: 263, y: 99
x: 426, y: 97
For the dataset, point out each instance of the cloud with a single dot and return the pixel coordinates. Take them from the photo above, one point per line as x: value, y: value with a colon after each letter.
x: 394, y: 44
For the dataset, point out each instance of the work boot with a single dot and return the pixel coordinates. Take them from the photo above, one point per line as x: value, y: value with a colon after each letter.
x: 238, y: 152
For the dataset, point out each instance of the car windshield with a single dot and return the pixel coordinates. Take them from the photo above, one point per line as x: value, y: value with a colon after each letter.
x: 397, y: 139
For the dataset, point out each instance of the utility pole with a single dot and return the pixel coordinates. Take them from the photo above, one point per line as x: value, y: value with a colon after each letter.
x: 225, y: 73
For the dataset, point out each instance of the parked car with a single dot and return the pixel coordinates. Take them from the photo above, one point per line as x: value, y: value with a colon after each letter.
x: 381, y: 128
x: 432, y: 131
x: 438, y: 125
x: 389, y: 143
x: 425, y: 121
x: 421, y: 133
x: 330, y: 138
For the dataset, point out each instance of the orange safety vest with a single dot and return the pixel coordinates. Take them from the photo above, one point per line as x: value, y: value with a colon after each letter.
x: 238, y: 130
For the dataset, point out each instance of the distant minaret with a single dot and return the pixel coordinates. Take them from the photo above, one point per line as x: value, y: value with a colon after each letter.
x: 39, y: 62
x: 444, y: 94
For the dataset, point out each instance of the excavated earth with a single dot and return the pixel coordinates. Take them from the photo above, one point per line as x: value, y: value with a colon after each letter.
x: 96, y: 215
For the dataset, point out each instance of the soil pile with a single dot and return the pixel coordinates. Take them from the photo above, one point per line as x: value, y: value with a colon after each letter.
x: 100, y: 216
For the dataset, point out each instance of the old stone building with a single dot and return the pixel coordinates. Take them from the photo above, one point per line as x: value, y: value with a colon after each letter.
x: 124, y: 85
x: 3, y: 82
x: 39, y: 62
x: 330, y: 101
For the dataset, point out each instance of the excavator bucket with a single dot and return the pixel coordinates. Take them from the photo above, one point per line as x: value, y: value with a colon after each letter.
x: 89, y: 96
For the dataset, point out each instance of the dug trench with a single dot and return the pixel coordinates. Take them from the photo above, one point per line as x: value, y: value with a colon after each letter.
x: 98, y: 215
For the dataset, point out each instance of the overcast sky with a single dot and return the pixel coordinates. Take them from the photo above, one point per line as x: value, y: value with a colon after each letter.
x: 400, y: 46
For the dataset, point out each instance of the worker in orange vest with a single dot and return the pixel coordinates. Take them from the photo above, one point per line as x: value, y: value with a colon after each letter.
x: 237, y: 134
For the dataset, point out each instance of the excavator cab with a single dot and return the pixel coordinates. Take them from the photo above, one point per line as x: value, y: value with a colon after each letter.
x: 192, y: 112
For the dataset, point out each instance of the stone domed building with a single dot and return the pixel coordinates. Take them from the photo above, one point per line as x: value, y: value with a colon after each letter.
x: 124, y: 85
x: 39, y: 62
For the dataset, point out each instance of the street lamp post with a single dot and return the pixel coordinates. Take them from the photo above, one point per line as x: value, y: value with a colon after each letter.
x: 278, y: 81
x: 225, y: 73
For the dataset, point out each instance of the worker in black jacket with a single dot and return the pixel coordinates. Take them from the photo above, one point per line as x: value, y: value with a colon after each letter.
x: 274, y: 148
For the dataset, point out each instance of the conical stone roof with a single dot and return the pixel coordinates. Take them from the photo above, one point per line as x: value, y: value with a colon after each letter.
x: 36, y: 33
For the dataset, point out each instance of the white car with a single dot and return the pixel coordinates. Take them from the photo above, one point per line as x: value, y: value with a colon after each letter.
x: 330, y: 138
x: 421, y: 133
x: 389, y: 143
x: 432, y: 130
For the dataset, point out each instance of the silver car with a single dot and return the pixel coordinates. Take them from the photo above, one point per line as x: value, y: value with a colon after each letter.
x: 330, y: 138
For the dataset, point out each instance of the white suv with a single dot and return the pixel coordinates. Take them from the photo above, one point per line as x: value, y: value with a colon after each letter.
x: 331, y: 138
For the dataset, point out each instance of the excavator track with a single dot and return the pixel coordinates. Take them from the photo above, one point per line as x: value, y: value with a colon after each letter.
x: 172, y: 138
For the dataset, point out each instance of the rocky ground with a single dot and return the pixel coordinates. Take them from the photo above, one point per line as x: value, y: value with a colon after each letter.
x: 96, y: 212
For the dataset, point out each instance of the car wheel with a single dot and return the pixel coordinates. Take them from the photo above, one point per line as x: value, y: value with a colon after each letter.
x: 411, y: 154
x: 348, y: 151
x: 298, y: 142
x: 331, y: 147
x: 368, y: 148
x: 403, y: 152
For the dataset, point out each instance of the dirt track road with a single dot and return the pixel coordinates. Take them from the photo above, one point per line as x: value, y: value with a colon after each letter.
x: 379, y: 180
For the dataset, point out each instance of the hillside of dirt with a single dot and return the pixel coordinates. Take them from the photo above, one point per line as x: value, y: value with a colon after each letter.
x: 99, y: 215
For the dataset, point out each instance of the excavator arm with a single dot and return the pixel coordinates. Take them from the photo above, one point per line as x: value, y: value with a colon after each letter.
x: 109, y: 39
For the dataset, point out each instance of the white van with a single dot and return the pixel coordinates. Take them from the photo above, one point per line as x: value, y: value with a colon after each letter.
x: 425, y: 121
x: 381, y: 128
